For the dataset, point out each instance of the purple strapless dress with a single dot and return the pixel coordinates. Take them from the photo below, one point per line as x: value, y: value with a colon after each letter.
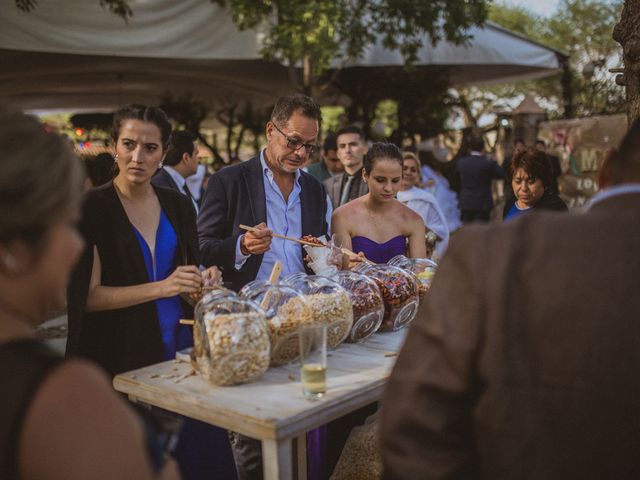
x: 379, y: 252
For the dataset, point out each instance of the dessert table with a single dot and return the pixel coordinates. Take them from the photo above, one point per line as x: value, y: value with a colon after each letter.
x: 271, y: 409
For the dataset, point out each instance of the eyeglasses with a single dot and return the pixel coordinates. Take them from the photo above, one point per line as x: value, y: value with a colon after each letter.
x: 296, y: 144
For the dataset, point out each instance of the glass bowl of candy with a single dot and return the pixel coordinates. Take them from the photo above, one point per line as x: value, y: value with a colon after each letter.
x: 366, y: 303
x: 399, y: 290
x: 423, y: 268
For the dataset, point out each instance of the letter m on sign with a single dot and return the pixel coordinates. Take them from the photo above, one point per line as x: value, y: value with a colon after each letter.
x: 590, y: 160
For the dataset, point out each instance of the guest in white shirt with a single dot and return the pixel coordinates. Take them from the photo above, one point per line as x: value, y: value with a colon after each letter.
x: 425, y: 204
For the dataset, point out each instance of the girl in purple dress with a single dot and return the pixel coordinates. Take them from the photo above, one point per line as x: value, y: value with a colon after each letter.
x: 377, y: 225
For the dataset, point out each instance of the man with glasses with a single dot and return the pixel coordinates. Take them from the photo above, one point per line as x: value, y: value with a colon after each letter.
x: 273, y: 194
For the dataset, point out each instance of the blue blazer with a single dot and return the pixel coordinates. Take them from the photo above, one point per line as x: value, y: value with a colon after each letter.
x: 235, y: 195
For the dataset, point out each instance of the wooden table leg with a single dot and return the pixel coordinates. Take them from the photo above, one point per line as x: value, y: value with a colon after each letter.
x: 301, y: 451
x: 277, y: 459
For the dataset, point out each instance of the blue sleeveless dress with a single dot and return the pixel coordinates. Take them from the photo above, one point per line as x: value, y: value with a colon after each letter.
x: 203, y: 451
x: 379, y: 252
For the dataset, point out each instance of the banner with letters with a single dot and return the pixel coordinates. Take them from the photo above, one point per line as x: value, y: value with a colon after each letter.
x: 581, y: 145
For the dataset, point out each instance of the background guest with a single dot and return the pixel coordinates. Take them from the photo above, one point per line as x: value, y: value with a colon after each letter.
x: 100, y: 169
x: 329, y: 164
x: 59, y: 419
x: 424, y: 204
x: 347, y: 186
x: 532, y: 183
x: 180, y: 162
x: 476, y: 172
x: 434, y: 180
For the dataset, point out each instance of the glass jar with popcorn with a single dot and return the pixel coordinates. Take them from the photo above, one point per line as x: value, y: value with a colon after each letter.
x: 329, y: 302
x: 234, y: 341
x: 286, y: 311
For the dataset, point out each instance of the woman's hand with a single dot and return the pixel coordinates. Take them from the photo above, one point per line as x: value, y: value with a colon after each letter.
x: 356, y: 260
x: 211, y: 276
x: 184, y: 279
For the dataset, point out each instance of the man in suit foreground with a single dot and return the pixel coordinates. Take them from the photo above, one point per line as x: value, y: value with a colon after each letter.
x: 476, y: 172
x: 523, y: 362
x: 349, y: 185
x: 180, y: 162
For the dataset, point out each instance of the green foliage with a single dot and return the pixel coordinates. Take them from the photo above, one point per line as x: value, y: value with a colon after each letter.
x: 581, y: 28
x: 26, y: 5
x: 119, y: 8
x: 328, y: 30
x: 411, y: 104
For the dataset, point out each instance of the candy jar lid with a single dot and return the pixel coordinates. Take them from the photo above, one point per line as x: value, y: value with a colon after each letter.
x: 235, y: 341
x: 252, y: 286
x: 399, y: 290
x: 286, y: 311
x: 366, y: 302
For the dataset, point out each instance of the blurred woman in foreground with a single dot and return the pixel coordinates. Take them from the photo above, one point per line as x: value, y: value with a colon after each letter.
x: 59, y: 419
x: 531, y: 180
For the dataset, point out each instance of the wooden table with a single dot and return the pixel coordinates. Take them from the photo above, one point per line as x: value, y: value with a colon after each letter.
x: 273, y: 408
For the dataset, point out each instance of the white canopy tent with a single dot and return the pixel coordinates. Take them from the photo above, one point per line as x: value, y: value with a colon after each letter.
x: 75, y: 55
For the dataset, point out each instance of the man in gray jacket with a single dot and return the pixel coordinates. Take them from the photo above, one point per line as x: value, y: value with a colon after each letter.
x: 349, y: 185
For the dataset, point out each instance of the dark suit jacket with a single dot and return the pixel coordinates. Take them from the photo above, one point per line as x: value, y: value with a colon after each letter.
x: 523, y: 362
x: 235, y: 195
x: 333, y: 185
x: 126, y: 338
x: 476, y: 173
x: 163, y: 179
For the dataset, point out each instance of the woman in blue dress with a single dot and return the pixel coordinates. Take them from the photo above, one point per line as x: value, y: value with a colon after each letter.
x: 141, y: 255
x: 377, y: 225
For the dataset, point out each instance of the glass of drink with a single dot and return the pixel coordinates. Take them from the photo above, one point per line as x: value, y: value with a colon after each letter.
x: 313, y: 360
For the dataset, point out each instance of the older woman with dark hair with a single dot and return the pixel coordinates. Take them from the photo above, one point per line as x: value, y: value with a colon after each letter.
x: 531, y: 179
